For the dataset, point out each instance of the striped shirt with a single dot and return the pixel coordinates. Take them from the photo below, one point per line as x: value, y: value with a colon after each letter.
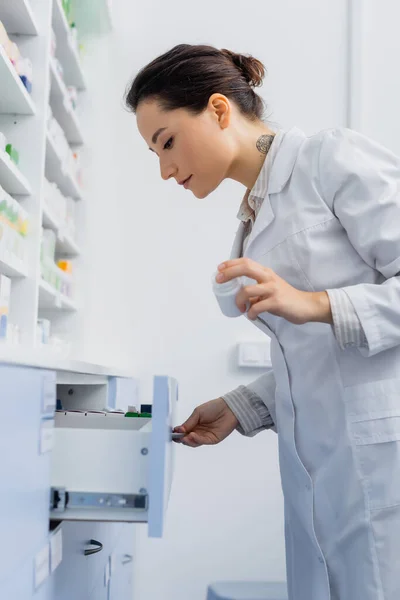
x: 249, y: 409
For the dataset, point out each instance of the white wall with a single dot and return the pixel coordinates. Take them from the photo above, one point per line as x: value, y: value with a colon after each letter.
x: 151, y: 307
x: 378, y: 78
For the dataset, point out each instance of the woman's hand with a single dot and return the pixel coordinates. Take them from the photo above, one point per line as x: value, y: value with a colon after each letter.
x: 210, y: 423
x: 273, y: 294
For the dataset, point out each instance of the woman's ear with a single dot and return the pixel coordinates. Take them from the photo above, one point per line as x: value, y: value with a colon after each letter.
x: 221, y: 109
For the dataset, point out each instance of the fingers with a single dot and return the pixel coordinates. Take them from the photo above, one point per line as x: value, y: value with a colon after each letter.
x: 190, y: 438
x: 242, y: 267
x: 248, y: 295
x: 260, y: 307
x: 189, y: 424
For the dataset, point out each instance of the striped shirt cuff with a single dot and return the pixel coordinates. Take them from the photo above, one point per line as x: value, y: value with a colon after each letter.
x: 250, y: 411
x: 346, y: 324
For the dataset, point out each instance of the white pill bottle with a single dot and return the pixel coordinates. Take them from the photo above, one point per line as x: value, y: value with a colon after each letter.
x: 226, y: 293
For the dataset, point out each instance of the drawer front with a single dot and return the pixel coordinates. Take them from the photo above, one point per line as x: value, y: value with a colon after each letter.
x: 101, y: 590
x: 101, y: 465
x: 77, y: 575
x: 27, y: 398
x: 162, y: 453
x: 121, y: 581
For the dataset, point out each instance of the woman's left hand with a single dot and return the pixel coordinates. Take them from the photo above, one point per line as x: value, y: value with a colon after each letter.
x: 274, y: 295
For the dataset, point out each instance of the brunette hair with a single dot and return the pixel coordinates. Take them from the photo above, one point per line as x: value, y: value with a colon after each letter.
x: 187, y: 75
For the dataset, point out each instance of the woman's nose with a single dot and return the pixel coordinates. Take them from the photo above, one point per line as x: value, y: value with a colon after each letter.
x: 167, y: 171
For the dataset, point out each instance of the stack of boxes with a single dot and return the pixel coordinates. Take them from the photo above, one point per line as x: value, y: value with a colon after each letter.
x: 13, y: 231
x: 23, y: 66
x: 60, y: 207
x: 59, y: 276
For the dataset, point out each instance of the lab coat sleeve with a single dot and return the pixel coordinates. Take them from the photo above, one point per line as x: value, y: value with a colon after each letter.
x: 346, y: 324
x: 360, y: 181
x: 250, y: 408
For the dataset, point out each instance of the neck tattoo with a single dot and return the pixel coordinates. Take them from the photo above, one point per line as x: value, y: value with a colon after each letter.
x: 264, y: 143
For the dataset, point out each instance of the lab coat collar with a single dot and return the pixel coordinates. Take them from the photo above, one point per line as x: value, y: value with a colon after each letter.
x: 281, y: 171
x: 285, y: 160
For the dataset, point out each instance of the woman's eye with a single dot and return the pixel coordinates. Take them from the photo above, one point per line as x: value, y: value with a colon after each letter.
x: 168, y: 144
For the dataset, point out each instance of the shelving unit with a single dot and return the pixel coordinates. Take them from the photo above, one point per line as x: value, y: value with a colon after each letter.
x: 11, y: 178
x: 14, y: 99
x: 63, y: 109
x: 57, y: 172
x: 50, y: 298
x: 66, y: 246
x: 17, y: 17
x: 66, y: 51
x: 12, y: 267
x: 23, y: 121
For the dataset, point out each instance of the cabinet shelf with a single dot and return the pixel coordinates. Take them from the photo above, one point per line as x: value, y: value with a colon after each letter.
x: 63, y: 109
x: 56, y: 172
x: 50, y: 298
x: 66, y: 51
x: 12, y: 267
x: 11, y: 178
x: 17, y: 17
x: 14, y: 99
x: 65, y: 244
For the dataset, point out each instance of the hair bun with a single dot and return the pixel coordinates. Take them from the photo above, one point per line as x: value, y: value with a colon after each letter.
x: 251, y: 68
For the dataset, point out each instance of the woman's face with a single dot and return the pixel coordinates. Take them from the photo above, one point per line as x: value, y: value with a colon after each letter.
x: 196, y: 150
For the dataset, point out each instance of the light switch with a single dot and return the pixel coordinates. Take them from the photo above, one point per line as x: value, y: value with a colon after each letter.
x: 254, y: 354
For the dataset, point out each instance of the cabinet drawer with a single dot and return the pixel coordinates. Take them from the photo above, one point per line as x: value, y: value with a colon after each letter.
x: 78, y: 572
x: 115, y: 468
x: 121, y: 581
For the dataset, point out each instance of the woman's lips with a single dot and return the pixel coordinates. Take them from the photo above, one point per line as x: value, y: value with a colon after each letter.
x: 186, y: 182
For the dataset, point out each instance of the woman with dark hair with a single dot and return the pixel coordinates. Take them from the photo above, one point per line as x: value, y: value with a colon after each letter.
x: 319, y: 248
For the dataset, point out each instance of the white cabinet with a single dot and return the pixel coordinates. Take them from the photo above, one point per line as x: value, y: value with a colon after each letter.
x: 115, y: 468
x: 27, y: 400
x: 121, y: 580
x: 108, y: 471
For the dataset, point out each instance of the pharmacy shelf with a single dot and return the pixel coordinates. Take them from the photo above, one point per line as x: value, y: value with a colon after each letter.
x: 50, y: 298
x: 17, y: 17
x: 56, y: 173
x: 12, y: 267
x: 65, y: 244
x: 62, y: 107
x: 11, y: 178
x: 66, y: 51
x: 14, y: 99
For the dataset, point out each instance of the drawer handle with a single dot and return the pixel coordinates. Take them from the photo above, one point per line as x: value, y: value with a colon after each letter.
x: 128, y: 558
x: 90, y: 551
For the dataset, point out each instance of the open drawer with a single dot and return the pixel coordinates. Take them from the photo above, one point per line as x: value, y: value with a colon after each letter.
x: 115, y: 468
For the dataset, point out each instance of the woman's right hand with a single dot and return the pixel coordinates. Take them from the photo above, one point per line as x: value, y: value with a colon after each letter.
x: 210, y: 423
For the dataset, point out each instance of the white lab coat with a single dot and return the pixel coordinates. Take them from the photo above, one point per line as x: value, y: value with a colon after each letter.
x: 331, y: 219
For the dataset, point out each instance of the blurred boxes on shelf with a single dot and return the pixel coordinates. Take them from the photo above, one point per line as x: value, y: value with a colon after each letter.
x: 59, y: 278
x: 14, y: 224
x: 69, y: 159
x: 43, y: 327
x: 22, y: 65
x: 61, y: 208
x: 5, y: 293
